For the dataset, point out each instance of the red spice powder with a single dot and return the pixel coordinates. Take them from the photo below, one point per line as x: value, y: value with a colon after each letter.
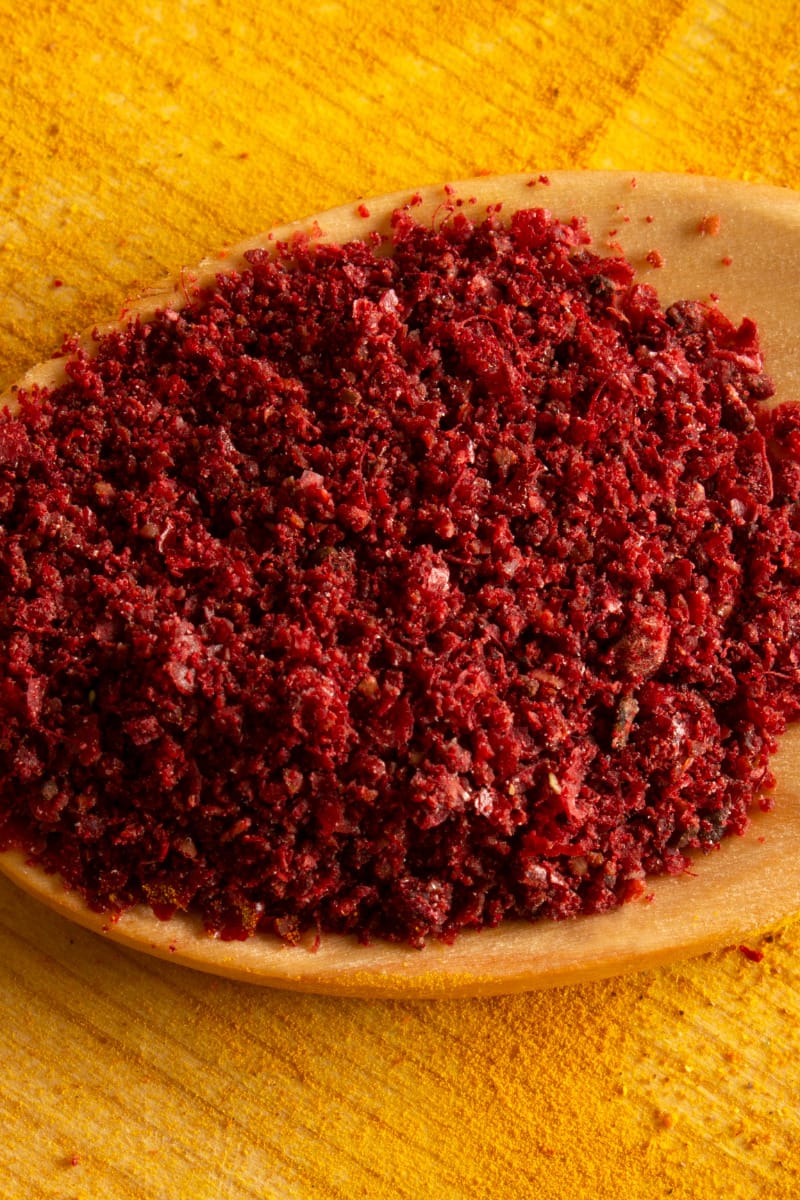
x: 710, y: 225
x: 397, y: 594
x: 752, y: 955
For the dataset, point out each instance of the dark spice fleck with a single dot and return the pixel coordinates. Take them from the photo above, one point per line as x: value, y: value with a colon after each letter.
x: 397, y: 594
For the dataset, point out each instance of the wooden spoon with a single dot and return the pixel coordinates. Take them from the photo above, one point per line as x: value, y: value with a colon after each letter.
x: 752, y: 262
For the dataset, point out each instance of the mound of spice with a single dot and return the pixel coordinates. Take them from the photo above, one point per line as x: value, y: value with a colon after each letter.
x: 397, y: 594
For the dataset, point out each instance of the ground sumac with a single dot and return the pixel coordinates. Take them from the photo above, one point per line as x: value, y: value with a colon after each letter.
x: 397, y: 594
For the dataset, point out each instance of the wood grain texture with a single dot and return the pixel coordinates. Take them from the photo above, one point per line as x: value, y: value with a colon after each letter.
x: 121, y: 158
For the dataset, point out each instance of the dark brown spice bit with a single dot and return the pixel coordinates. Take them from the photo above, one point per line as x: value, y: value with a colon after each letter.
x: 398, y: 595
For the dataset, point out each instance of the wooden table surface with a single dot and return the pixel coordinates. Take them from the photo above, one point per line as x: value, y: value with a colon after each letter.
x: 133, y: 142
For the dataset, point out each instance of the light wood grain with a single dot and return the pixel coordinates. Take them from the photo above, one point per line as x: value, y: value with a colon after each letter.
x: 753, y: 265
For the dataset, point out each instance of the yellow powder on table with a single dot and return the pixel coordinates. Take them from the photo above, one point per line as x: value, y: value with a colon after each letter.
x: 720, y: 98
x: 198, y: 1087
x: 137, y: 139
x: 136, y: 143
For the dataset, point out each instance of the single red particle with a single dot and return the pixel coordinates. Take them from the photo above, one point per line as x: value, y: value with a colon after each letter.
x: 655, y: 258
x: 709, y: 226
x: 755, y: 956
x: 727, y: 260
x: 362, y: 210
x: 57, y: 283
x: 649, y: 219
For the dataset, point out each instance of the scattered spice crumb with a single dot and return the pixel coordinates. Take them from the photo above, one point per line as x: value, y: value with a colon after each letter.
x: 655, y: 258
x: 362, y: 210
x: 57, y: 283
x: 727, y: 260
x: 710, y: 225
x: 755, y: 956
x: 649, y: 219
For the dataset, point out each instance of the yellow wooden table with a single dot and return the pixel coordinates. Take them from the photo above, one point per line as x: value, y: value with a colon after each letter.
x: 134, y: 139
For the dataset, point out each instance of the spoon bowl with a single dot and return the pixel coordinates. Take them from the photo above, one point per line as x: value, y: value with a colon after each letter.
x: 667, y: 227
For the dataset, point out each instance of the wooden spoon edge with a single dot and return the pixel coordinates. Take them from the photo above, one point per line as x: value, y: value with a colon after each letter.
x: 741, y: 888
x: 737, y: 889
x: 633, y: 208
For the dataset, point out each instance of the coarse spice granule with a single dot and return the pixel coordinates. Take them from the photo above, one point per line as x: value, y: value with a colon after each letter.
x: 397, y: 594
